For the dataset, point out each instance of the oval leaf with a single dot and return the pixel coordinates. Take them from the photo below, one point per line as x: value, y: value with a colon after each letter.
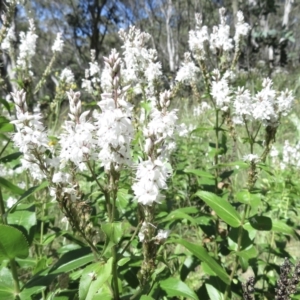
x: 213, y: 292
x: 12, y: 243
x: 223, y: 209
x: 175, y: 287
x: 202, y: 254
x: 281, y: 227
x: 25, y: 218
x: 94, y: 278
x: 261, y: 223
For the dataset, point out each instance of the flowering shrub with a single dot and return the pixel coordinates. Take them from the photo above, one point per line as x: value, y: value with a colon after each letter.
x: 102, y: 188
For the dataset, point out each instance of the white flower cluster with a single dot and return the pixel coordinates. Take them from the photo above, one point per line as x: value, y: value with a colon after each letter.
x: 161, y: 236
x: 92, y: 75
x: 77, y: 141
x: 290, y: 156
x: 30, y: 138
x: 27, y: 46
x: 220, y: 36
x: 201, y: 108
x: 151, y: 177
x: 199, y: 37
x: 10, y: 36
x: 140, y: 62
x: 114, y: 126
x: 67, y: 75
x: 251, y: 158
x: 219, y: 39
x: 266, y: 106
x: 188, y: 72
x: 107, y: 136
x: 152, y: 174
x: 241, y: 28
x: 220, y: 90
x: 58, y: 43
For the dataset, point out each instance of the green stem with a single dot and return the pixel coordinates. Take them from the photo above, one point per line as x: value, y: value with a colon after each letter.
x: 3, y: 149
x: 216, y: 157
x: 115, y: 273
x: 2, y: 209
x: 14, y: 272
x: 42, y: 228
x: 132, y: 238
x: 114, y: 176
x: 239, y: 244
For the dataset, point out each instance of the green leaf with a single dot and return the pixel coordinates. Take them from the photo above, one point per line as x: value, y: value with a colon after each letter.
x: 122, y: 199
x: 28, y: 193
x: 114, y: 232
x: 12, y: 243
x: 27, y: 293
x: 25, y: 218
x: 175, y: 287
x: 5, y: 125
x: 223, y: 209
x: 261, y: 223
x: 73, y: 264
x: 202, y: 254
x: 146, y: 298
x: 7, y: 286
x: 10, y: 157
x: 213, y: 292
x: 199, y: 173
x: 94, y: 280
x: 246, y: 255
x: 10, y: 186
x: 246, y: 197
x: 179, y: 214
x: 200, y: 129
x: 281, y: 227
x: 5, y: 104
x: 123, y: 261
x: 233, y: 239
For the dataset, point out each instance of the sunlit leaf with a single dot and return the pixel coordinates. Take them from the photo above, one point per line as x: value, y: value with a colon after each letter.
x: 202, y: 254
x: 175, y: 287
x: 12, y: 243
x: 222, y: 208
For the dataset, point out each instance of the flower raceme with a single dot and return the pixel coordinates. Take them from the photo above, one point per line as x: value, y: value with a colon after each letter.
x: 30, y: 138
x: 219, y: 39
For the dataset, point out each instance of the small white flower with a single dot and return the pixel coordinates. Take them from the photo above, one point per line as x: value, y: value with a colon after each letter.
x: 58, y: 43
x: 10, y: 202
x: 251, y: 158
x: 67, y: 76
x: 162, y: 235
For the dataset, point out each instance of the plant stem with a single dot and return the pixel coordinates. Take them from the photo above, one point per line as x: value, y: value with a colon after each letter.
x: 42, y: 227
x: 216, y: 156
x: 14, y: 272
x: 239, y: 244
x: 3, y: 149
x: 132, y: 237
x: 114, y: 177
x: 2, y: 209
